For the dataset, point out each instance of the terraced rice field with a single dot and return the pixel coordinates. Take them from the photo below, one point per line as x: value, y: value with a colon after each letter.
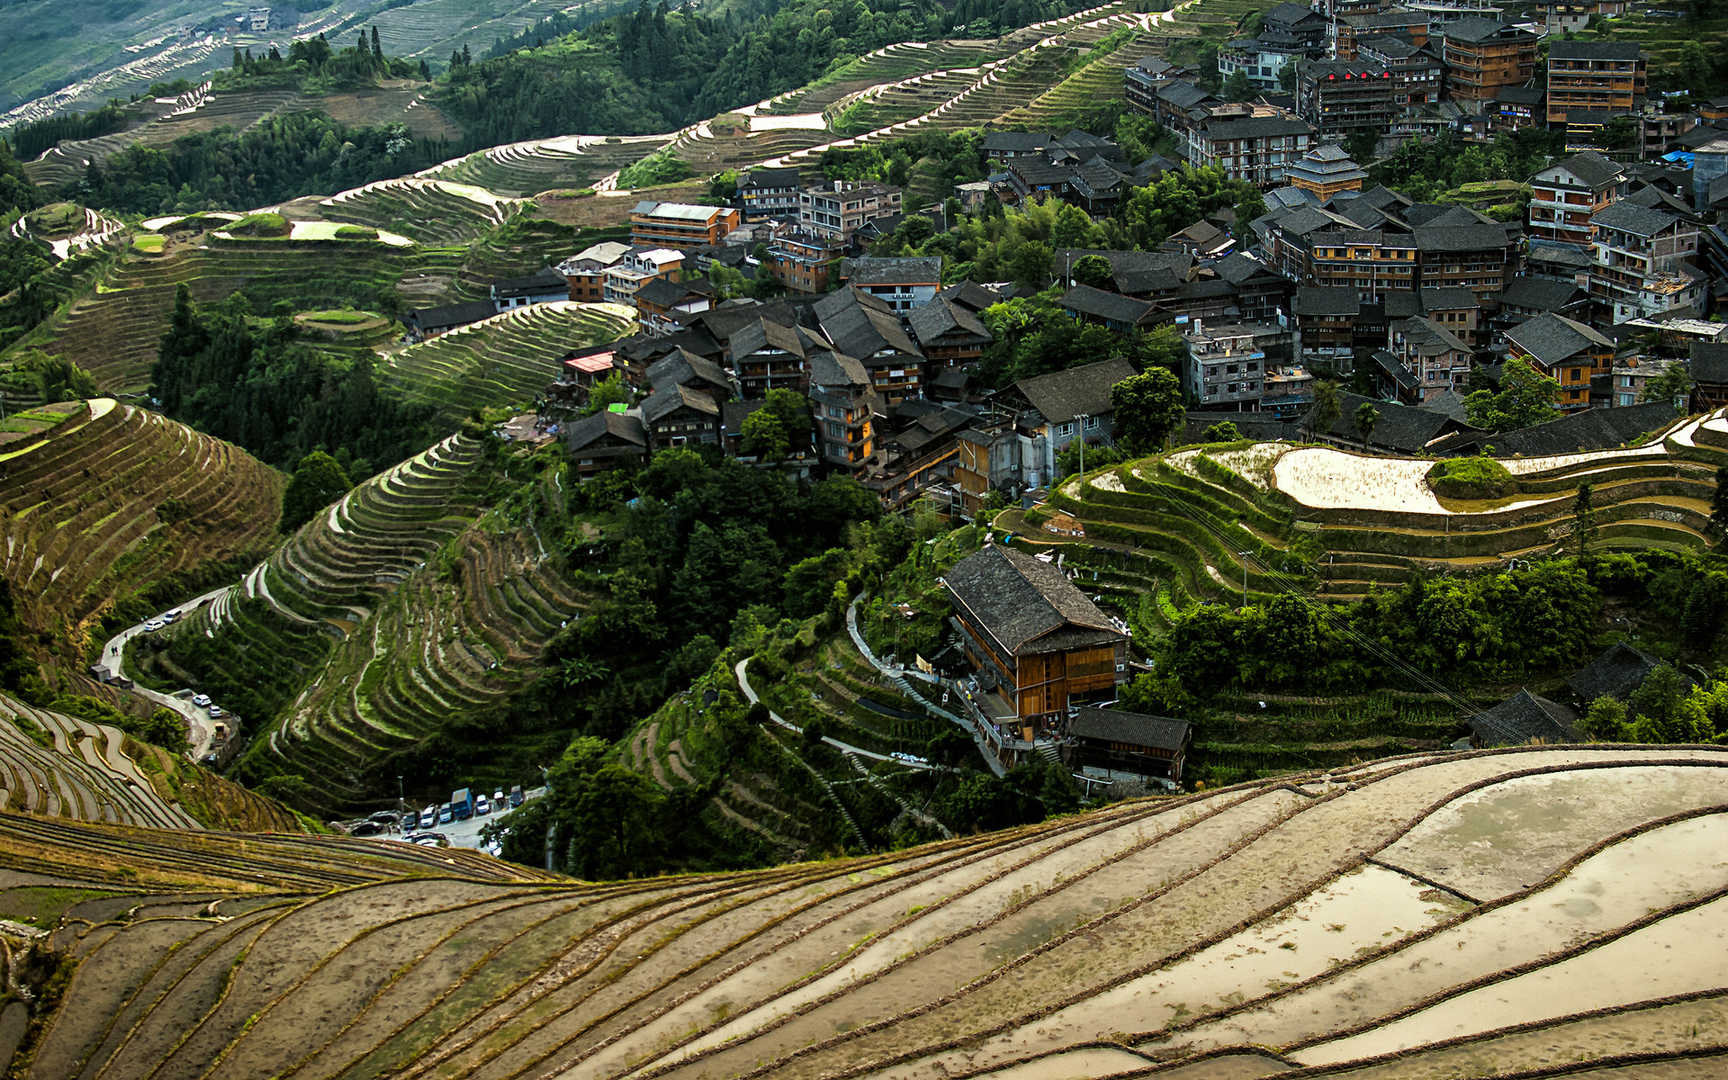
x: 114, y: 332
x: 103, y: 505
x: 65, y: 163
x: 428, y: 211
x: 1333, y: 922
x: 1184, y: 527
x: 59, y: 766
x: 527, y: 168
x: 507, y: 358
x: 450, y: 645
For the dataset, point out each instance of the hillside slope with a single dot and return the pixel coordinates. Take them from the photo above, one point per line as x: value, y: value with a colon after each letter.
x: 1465, y: 915
x: 60, y: 766
x: 120, y: 509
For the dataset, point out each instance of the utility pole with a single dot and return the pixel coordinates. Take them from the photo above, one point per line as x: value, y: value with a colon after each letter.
x: 1243, y: 556
x: 1080, y: 423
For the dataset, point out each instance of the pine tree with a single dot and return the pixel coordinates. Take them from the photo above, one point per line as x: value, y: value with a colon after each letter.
x: 377, y: 49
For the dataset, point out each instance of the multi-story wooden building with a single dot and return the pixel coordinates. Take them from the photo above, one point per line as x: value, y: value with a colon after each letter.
x: 1037, y: 642
x: 1405, y: 23
x: 769, y: 193
x: 680, y: 225
x: 1255, y: 148
x: 841, y: 403
x: 1344, y: 99
x: 1483, y: 55
x: 1112, y: 745
x: 1590, y: 83
x: 1566, y: 351
x: 1565, y: 195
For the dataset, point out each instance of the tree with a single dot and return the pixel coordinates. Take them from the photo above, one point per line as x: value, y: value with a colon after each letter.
x: 318, y: 481
x: 611, y: 390
x: 614, y: 815
x: 792, y: 409
x: 1604, y: 721
x: 1093, y: 270
x: 1674, y: 384
x: 765, y: 436
x: 1366, y: 417
x: 1223, y: 431
x: 1663, y: 711
x: 1238, y: 87
x: 1719, y: 504
x: 1326, y: 409
x: 1583, y: 521
x: 1526, y: 397
x: 1148, y: 406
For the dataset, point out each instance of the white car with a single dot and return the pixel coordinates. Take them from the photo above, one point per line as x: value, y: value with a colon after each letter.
x: 482, y: 805
x: 153, y: 625
x: 498, y: 802
x: 428, y: 817
x: 217, y: 712
x: 201, y: 700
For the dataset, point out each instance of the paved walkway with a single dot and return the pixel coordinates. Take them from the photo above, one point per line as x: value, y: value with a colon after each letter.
x: 843, y: 747
x: 200, y: 729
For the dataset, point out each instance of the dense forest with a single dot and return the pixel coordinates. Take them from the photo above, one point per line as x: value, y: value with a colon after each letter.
x: 657, y: 70
x: 250, y: 382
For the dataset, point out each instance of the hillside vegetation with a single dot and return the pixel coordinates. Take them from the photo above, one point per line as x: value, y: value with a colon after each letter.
x: 117, y: 512
x: 1374, y: 922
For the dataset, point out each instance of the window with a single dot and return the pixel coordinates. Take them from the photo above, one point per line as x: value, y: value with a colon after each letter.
x: 1092, y: 423
x: 1063, y: 431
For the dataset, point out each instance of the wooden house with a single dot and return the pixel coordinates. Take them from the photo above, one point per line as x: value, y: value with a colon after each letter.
x: 1035, y: 639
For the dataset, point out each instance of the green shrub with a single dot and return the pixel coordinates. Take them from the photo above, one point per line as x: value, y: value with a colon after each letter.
x: 261, y: 224
x: 356, y: 232
x: 1471, y: 478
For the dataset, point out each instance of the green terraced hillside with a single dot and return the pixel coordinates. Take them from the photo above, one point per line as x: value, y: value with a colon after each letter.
x: 1188, y: 525
x: 111, y: 507
x: 1376, y: 923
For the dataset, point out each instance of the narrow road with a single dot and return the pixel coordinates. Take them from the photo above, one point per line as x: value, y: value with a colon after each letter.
x: 199, y: 729
x: 844, y: 748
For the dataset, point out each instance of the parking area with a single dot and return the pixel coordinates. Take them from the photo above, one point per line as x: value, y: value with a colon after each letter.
x: 462, y: 834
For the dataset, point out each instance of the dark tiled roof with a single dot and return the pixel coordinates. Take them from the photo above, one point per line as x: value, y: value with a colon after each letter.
x: 665, y: 292
x: 1522, y: 718
x: 545, y: 279
x: 1257, y: 127
x: 1616, y: 673
x: 943, y: 316
x: 1554, y: 339
x: 1448, y: 298
x: 1016, y: 142
x: 1321, y: 300
x: 872, y: 270
x: 770, y: 178
x: 1291, y: 14
x: 1406, y: 429
x: 1183, y: 95
x: 1427, y: 337
x: 671, y: 398
x: 1590, y: 167
x: 1539, y: 294
x: 1520, y: 95
x: 837, y: 370
x: 762, y: 333
x: 862, y: 326
x: 683, y: 368
x: 1460, y: 237
x: 1239, y: 268
x: 1475, y: 31
x: 1582, y: 432
x: 1710, y: 362
x: 734, y: 413
x: 1025, y: 604
x: 1549, y: 251
x: 452, y: 315
x: 1627, y: 216
x: 1593, y: 50
x: 1136, y: 729
x: 1112, y: 307
x: 1395, y: 370
x: 1060, y: 396
x: 970, y: 295
x: 625, y: 426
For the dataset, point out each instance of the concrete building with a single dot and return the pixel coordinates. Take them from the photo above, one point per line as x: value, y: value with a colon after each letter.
x: 1245, y: 366
x: 680, y: 225
x: 1565, y: 195
x: 836, y: 211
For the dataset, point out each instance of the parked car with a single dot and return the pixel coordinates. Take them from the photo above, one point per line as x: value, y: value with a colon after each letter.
x: 201, y: 700
x: 516, y: 796
x: 446, y: 814
x: 383, y: 817
x: 482, y: 805
x: 217, y: 712
x: 153, y: 625
x: 498, y: 802
x: 365, y: 828
x: 428, y: 817
x: 427, y: 841
x: 410, y: 821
